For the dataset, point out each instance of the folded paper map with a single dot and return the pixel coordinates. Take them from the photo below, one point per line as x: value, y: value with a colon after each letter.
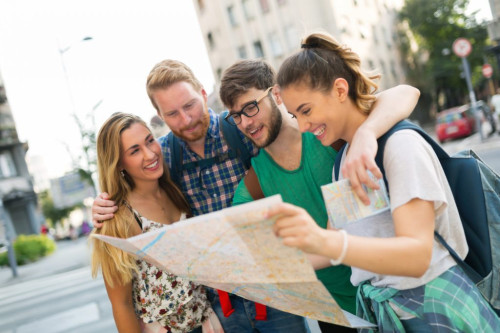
x: 343, y: 205
x: 235, y: 250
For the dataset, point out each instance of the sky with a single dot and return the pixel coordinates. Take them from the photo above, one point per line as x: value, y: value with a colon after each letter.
x: 50, y: 73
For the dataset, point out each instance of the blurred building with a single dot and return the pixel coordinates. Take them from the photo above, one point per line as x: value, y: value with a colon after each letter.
x: 494, y: 29
x: 494, y: 25
x: 16, y: 187
x: 158, y: 126
x: 272, y: 29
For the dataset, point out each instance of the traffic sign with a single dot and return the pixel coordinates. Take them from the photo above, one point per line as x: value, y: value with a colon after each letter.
x: 462, y: 47
x: 487, y: 70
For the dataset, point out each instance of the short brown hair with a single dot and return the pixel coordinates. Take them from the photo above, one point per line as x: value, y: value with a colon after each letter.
x: 244, y: 75
x: 168, y: 72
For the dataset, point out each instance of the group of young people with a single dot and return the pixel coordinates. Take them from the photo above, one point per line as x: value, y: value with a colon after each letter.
x: 387, y: 269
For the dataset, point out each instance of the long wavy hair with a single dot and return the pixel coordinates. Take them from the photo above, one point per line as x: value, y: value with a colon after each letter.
x: 117, y: 266
x: 321, y: 61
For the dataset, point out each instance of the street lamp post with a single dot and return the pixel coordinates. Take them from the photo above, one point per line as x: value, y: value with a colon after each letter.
x: 62, y: 51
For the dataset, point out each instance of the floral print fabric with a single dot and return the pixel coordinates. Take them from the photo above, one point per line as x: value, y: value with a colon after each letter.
x: 178, y: 305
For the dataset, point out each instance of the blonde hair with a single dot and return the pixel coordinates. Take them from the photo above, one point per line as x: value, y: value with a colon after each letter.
x: 117, y: 266
x: 166, y: 73
x: 321, y: 61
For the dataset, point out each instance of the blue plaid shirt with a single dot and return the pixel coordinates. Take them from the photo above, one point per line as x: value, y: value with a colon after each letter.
x: 209, y: 189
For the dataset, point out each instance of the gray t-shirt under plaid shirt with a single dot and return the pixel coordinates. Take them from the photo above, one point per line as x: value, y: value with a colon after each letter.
x: 413, y: 171
x: 210, y: 189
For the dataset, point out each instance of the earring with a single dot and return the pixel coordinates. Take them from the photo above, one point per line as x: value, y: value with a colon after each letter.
x: 122, y: 172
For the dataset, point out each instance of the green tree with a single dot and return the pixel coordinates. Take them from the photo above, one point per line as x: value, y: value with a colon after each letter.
x: 53, y: 214
x: 435, y: 25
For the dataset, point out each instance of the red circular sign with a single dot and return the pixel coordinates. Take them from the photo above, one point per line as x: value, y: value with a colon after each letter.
x: 487, y: 70
x: 462, y: 47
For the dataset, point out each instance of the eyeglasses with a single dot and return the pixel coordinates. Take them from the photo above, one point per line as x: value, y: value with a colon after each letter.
x: 249, y: 110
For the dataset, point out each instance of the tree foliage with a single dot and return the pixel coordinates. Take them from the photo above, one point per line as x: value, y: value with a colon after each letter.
x: 55, y: 215
x: 435, y: 25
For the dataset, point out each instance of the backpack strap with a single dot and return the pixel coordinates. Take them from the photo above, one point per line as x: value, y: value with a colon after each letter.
x: 253, y: 185
x: 442, y: 155
x: 405, y: 124
x: 175, y: 159
x: 338, y: 159
x: 234, y: 140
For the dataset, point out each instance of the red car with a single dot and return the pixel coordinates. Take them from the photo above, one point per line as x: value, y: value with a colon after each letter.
x: 457, y: 122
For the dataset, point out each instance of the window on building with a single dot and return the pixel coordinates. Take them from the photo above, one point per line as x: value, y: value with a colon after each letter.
x: 371, y: 65
x: 232, y: 16
x: 242, y: 52
x: 219, y: 73
x: 248, y: 9
x: 382, y: 67
x: 211, y: 41
x: 264, y: 6
x: 257, y: 48
x: 355, y: 2
x: 374, y: 34
x: 393, y: 70
x: 364, y: 32
x: 276, y: 46
x: 7, y: 166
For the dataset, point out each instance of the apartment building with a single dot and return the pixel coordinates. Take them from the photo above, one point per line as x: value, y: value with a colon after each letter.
x: 272, y: 29
x: 16, y: 187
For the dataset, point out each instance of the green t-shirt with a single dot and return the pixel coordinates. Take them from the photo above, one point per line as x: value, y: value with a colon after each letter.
x: 302, y: 187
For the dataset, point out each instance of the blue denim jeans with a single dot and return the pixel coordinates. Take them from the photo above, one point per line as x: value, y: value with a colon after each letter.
x: 242, y: 320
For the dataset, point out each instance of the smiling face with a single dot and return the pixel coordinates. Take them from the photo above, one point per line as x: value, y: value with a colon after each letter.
x: 141, y: 155
x: 263, y: 128
x: 184, y: 110
x: 322, y: 113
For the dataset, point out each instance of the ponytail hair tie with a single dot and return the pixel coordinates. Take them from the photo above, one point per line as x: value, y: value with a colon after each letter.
x: 309, y: 45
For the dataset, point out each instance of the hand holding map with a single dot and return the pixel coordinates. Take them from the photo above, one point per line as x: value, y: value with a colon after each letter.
x: 235, y: 250
x: 344, y: 206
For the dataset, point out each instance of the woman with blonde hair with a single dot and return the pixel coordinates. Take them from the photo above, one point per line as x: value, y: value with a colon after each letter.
x: 143, y: 297
x: 407, y: 280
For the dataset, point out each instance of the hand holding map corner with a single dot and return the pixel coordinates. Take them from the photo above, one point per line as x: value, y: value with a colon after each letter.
x: 235, y: 250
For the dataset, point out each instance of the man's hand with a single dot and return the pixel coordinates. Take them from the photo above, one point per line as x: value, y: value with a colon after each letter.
x: 102, y: 209
x: 359, y: 160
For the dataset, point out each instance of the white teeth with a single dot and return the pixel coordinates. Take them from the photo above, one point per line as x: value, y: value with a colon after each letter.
x: 254, y: 131
x: 152, y: 165
x: 319, y: 131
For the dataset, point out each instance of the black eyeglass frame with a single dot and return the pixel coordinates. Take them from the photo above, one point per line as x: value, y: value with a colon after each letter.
x: 229, y: 118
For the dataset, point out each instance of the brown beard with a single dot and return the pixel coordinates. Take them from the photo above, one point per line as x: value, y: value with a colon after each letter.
x: 274, y: 127
x: 204, y: 121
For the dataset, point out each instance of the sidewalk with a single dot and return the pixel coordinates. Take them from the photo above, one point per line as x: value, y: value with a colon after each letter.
x: 69, y: 255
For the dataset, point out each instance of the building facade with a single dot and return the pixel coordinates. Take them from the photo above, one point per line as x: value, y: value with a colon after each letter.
x: 16, y: 186
x: 272, y: 29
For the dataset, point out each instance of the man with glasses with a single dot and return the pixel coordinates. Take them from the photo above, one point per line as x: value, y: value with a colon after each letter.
x: 180, y: 101
x: 292, y: 163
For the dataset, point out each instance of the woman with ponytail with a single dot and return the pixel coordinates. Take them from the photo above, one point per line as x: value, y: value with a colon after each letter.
x: 143, y: 297
x: 407, y: 280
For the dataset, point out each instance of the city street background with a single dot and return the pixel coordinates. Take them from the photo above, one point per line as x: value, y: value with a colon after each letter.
x: 57, y: 293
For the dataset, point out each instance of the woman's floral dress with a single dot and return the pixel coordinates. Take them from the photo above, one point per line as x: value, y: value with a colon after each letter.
x: 176, y: 304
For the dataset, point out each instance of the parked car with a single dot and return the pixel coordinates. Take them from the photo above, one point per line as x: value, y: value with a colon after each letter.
x: 457, y: 122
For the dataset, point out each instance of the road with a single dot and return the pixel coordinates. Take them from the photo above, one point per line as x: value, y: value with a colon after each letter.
x: 57, y: 293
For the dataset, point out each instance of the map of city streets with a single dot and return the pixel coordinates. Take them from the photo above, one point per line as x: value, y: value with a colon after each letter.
x: 235, y: 250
